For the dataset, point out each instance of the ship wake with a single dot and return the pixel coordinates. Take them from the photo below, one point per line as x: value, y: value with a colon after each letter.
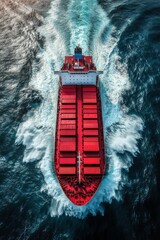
x: 84, y: 23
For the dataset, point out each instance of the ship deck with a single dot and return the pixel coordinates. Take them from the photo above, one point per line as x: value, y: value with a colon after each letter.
x: 79, y: 155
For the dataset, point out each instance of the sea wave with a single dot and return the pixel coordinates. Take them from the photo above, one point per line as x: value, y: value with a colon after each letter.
x: 122, y: 130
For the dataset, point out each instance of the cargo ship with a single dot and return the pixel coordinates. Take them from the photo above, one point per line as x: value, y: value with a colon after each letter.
x: 79, y: 145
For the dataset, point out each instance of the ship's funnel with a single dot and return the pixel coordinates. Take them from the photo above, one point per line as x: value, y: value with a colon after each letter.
x: 78, y: 50
x: 78, y: 53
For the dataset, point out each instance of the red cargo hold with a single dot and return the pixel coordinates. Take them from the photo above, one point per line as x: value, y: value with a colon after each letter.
x: 91, y: 161
x: 67, y: 161
x: 67, y: 132
x: 90, y: 132
x: 90, y: 124
x: 92, y: 170
x: 67, y: 170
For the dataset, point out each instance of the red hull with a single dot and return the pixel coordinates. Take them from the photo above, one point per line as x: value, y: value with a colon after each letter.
x: 79, y: 151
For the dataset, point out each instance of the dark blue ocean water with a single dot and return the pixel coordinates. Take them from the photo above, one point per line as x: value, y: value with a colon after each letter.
x: 124, y: 39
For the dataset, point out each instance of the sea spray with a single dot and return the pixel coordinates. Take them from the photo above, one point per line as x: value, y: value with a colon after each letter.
x: 62, y: 33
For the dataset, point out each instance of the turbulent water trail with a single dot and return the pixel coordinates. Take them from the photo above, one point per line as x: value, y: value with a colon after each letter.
x: 68, y: 24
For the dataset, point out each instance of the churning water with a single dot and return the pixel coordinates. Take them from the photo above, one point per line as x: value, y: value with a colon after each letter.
x: 122, y: 36
x: 38, y: 131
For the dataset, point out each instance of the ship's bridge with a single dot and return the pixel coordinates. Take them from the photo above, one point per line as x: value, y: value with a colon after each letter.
x: 78, y: 70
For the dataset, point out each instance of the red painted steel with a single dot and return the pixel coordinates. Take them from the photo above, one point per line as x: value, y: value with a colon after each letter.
x: 67, y: 161
x: 79, y: 146
x: 91, y: 132
x: 89, y: 89
x: 69, y: 106
x: 67, y: 170
x: 68, y: 116
x: 90, y: 124
x: 67, y: 132
x: 90, y: 116
x: 92, y: 161
x: 92, y: 170
x: 68, y: 111
x: 91, y: 146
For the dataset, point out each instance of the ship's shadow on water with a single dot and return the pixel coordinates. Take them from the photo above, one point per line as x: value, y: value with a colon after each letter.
x: 123, y: 38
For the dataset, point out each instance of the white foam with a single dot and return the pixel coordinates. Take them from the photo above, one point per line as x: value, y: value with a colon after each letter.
x: 122, y: 131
